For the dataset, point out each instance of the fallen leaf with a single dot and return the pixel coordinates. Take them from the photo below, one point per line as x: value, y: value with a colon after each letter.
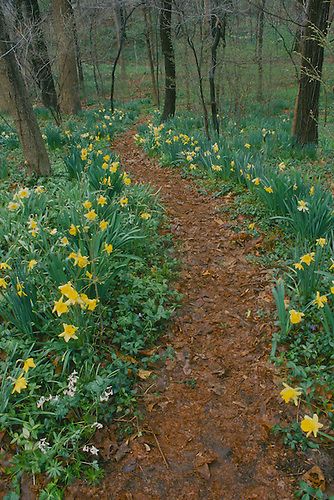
x: 144, y: 374
x: 122, y: 451
x: 204, y: 471
x: 315, y: 478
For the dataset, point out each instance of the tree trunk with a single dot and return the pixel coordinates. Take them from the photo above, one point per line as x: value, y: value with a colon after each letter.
x: 39, y: 57
x: 216, y: 33
x: 69, y: 98
x: 201, y: 90
x: 120, y: 21
x: 169, y: 56
x: 306, y: 115
x: 148, y: 37
x: 259, y: 47
x: 26, y: 123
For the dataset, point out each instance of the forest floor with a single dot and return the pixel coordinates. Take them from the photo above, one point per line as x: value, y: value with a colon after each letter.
x: 209, y: 413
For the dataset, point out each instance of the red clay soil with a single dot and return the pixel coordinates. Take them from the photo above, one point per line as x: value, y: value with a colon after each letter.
x: 206, y: 434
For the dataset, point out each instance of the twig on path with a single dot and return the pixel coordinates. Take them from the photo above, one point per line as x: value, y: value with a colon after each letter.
x: 160, y: 450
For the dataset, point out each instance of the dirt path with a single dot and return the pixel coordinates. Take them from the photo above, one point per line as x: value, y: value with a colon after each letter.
x: 211, y: 410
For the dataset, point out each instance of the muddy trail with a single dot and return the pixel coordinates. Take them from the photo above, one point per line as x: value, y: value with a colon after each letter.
x: 206, y: 434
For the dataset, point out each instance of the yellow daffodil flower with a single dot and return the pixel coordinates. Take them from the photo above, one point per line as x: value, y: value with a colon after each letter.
x: 320, y: 300
x: 296, y: 316
x: 302, y: 206
x: 310, y: 425
x: 69, y: 292
x: 102, y: 200
x: 290, y: 394
x: 87, y: 204
x: 20, y: 384
x: 108, y: 248
x: 321, y: 242
x: 68, y: 332
x: 60, y: 307
x: 27, y: 364
x: 91, y: 215
x: 307, y: 258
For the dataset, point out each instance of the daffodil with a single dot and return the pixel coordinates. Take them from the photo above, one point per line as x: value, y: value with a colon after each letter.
x: 269, y: 189
x: 87, y: 204
x: 68, y: 332
x: 145, y: 215
x: 23, y: 193
x: 13, y: 206
x: 298, y: 266
x: 27, y: 364
x: 216, y: 168
x: 123, y: 201
x: 302, y: 206
x: 60, y: 307
x: 64, y: 241
x: 20, y: 384
x: 296, y: 316
x: 31, y: 264
x: 103, y: 225
x: 247, y: 145
x: 69, y: 292
x: 102, y: 200
x: 114, y: 166
x: 320, y: 300
x: 73, y: 230
x: 256, y: 181
x: 310, y: 425
x: 307, y: 258
x: 290, y: 394
x: 108, y: 248
x: 4, y: 266
x: 79, y: 260
x: 3, y: 283
x: 91, y: 215
x: 84, y: 154
x: 32, y: 224
x: 321, y: 242
x: 20, y: 289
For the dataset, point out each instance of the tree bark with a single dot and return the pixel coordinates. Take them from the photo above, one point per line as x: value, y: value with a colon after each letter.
x: 40, y: 58
x: 148, y: 38
x: 27, y: 127
x: 306, y: 115
x: 259, y: 50
x: 201, y: 90
x: 69, y: 97
x: 169, y: 57
x: 216, y: 33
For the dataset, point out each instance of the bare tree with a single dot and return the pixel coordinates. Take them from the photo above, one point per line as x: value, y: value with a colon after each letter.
x: 148, y: 39
x: 69, y: 97
x: 259, y: 48
x: 39, y: 55
x: 169, y: 57
x: 306, y: 115
x: 26, y: 123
